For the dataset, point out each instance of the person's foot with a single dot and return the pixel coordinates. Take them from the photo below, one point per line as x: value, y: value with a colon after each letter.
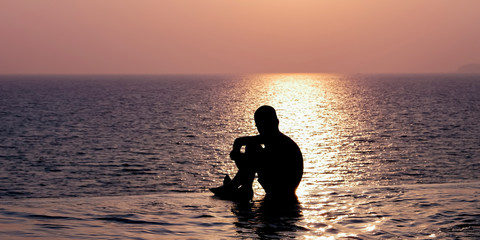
x: 226, y: 179
x: 230, y: 193
x: 218, y: 190
x: 239, y: 194
x: 222, y: 190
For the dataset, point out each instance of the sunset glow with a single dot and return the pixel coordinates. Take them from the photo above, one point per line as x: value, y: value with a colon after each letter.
x: 214, y: 36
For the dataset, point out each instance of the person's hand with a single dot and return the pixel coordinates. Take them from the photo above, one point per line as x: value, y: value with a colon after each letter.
x: 241, y: 141
x: 236, y: 153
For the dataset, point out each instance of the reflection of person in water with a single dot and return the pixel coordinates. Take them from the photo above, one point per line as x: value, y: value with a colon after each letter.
x: 268, y: 219
x: 273, y: 156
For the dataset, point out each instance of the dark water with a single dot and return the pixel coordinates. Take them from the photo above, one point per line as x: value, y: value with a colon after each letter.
x: 374, y: 146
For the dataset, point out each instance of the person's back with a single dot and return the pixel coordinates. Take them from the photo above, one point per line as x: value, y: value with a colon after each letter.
x: 281, y: 168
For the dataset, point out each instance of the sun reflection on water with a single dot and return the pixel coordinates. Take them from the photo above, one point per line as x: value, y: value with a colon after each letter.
x: 325, y: 115
x: 303, y: 106
x: 310, y: 110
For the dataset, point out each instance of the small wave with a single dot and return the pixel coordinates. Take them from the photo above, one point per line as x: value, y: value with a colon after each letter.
x: 41, y: 216
x: 131, y: 221
x: 7, y: 147
x: 142, y: 153
x: 364, y: 140
x: 465, y: 228
x: 204, y: 216
x: 135, y: 171
x: 53, y: 226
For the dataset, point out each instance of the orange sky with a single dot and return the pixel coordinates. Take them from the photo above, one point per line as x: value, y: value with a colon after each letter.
x: 247, y: 36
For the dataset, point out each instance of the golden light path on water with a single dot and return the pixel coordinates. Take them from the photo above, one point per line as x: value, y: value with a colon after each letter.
x: 303, y: 106
x: 308, y: 109
x: 355, y: 136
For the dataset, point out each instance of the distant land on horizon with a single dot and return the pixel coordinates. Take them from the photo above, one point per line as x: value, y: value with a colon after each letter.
x: 469, y: 68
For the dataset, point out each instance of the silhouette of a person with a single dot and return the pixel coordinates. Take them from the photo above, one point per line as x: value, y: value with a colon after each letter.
x: 274, y: 157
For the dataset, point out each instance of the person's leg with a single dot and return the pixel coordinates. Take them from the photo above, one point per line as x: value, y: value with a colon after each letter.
x: 240, y: 187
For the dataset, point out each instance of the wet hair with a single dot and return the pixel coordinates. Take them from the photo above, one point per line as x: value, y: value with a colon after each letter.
x: 266, y: 114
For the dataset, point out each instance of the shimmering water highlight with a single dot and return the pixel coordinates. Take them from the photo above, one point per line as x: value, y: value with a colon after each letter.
x: 386, y: 156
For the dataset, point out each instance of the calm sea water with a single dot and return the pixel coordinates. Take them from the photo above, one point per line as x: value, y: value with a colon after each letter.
x: 102, y: 157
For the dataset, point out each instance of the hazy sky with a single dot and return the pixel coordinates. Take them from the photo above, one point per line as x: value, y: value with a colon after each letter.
x: 237, y: 36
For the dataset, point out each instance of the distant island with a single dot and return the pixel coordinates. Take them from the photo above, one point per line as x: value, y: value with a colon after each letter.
x: 469, y: 68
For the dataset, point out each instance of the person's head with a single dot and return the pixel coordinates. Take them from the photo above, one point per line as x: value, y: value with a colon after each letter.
x: 266, y: 120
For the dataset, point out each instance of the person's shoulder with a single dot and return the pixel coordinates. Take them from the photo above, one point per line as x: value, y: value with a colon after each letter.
x: 287, y: 140
x: 291, y: 149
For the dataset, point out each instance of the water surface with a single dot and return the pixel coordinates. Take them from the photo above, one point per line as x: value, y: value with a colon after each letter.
x: 386, y: 156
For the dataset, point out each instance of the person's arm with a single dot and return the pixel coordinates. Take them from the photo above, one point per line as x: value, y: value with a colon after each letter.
x: 236, y: 153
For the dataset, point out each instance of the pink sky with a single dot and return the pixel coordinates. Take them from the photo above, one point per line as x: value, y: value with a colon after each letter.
x: 244, y: 36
